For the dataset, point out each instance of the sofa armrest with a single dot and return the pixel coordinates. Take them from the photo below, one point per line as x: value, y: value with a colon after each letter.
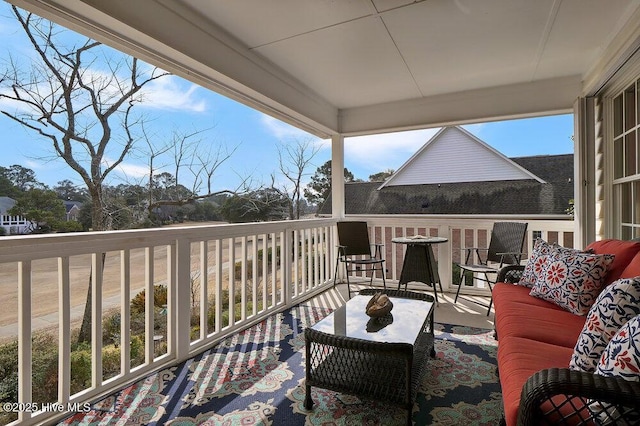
x: 560, y: 396
x: 510, y: 274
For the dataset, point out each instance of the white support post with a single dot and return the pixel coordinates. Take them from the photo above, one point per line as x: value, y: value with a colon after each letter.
x: 337, y: 191
x: 337, y: 176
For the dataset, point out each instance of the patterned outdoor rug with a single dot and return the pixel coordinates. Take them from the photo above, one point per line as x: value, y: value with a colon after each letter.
x: 257, y: 378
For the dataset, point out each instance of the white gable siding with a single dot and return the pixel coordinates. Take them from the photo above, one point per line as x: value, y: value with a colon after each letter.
x: 454, y: 156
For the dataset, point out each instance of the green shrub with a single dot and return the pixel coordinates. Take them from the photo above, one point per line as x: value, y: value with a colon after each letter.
x: 159, y: 299
x: 455, y: 276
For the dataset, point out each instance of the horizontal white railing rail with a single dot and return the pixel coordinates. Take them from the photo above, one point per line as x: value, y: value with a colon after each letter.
x: 207, y: 282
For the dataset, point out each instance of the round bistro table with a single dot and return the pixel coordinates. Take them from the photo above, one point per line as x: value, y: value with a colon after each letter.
x: 419, y: 263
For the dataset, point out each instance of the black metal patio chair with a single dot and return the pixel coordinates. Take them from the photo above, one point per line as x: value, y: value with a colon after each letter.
x: 355, y: 250
x: 505, y: 248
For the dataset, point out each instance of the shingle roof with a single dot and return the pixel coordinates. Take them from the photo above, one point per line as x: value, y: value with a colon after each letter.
x: 495, y: 197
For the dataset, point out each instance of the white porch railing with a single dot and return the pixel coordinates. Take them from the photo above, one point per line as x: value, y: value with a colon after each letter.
x: 219, y: 279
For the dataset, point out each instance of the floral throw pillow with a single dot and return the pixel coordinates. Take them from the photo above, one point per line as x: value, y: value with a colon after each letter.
x: 539, y: 259
x: 572, y: 280
x: 537, y: 262
x: 617, y: 304
x: 621, y: 357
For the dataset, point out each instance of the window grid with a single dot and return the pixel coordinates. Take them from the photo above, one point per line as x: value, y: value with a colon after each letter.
x: 626, y: 184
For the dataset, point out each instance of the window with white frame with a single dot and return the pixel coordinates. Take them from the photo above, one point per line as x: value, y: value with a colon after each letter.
x: 626, y: 165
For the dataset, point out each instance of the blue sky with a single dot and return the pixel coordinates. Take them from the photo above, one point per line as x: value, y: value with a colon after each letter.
x: 176, y: 104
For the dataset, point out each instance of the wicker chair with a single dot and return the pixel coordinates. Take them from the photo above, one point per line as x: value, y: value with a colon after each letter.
x: 355, y: 250
x: 505, y: 248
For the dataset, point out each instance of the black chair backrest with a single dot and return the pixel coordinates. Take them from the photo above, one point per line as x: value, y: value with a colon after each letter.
x: 506, y: 237
x: 355, y: 237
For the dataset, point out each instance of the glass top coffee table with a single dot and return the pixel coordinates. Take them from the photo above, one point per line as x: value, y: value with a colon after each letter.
x: 381, y: 358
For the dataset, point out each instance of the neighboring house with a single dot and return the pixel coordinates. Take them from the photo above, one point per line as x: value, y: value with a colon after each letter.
x: 72, y: 210
x: 13, y: 224
x: 457, y: 173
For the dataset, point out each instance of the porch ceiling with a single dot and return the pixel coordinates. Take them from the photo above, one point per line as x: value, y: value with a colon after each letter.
x: 365, y: 66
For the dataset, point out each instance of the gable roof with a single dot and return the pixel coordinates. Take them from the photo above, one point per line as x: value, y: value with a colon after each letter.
x: 454, y: 155
x: 524, y: 196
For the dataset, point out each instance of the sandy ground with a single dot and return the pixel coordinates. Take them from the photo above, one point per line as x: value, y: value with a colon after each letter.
x: 45, y: 284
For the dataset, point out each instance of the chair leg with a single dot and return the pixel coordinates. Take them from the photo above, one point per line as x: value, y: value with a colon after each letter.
x: 346, y: 270
x: 384, y: 283
x: 491, y: 291
x: 462, y: 281
x: 335, y: 273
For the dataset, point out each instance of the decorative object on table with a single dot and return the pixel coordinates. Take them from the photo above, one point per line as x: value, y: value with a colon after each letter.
x: 379, y: 305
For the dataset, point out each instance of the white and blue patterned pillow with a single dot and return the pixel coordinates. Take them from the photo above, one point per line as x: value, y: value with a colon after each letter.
x: 572, y: 279
x: 621, y: 357
x: 617, y: 304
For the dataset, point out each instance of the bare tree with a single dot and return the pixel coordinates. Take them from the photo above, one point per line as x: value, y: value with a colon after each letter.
x: 81, y: 100
x: 293, y: 160
x: 67, y: 97
x: 193, y: 156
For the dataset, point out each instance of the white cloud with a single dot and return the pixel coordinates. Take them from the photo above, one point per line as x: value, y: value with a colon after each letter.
x: 167, y: 93
x: 376, y: 153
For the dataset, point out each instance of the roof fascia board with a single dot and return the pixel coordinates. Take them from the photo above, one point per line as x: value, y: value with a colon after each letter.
x: 221, y: 64
x: 538, y: 98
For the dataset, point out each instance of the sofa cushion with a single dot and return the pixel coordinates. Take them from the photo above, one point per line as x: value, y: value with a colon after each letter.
x: 617, y: 304
x: 505, y: 294
x: 554, y: 326
x: 633, y: 268
x: 624, y: 251
x: 518, y: 359
x: 573, y: 280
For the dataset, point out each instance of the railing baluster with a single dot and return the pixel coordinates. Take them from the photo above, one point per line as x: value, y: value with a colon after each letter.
x: 254, y: 273
x: 204, y: 288
x: 25, y: 355
x: 96, y: 318
x: 64, y: 330
x: 149, y: 302
x: 125, y: 312
x: 218, y: 295
x: 232, y: 280
x: 243, y: 278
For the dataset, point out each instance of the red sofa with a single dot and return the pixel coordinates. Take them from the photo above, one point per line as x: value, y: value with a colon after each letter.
x: 536, y: 339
